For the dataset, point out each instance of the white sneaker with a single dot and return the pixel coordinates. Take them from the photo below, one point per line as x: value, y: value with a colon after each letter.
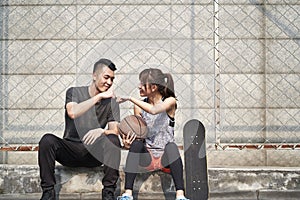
x: 125, y: 197
x: 181, y: 198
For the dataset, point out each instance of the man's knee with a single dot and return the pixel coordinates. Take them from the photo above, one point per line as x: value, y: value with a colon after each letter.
x: 47, y: 140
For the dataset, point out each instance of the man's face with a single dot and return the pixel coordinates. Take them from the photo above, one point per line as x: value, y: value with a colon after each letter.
x: 103, y: 79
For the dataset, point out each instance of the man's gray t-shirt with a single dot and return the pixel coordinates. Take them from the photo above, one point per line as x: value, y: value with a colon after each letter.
x: 98, y: 116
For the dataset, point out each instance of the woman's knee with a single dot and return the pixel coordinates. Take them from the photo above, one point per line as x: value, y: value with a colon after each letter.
x: 171, y: 154
x: 171, y: 147
x: 136, y: 146
x: 114, y: 139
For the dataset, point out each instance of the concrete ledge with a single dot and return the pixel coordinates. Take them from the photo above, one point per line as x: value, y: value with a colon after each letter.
x: 254, y: 179
x: 241, y: 195
x: 23, y: 182
x: 85, y: 182
x: 234, y: 195
x: 78, y: 180
x: 275, y: 194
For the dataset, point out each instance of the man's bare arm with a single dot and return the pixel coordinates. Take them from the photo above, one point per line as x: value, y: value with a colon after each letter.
x: 75, y: 110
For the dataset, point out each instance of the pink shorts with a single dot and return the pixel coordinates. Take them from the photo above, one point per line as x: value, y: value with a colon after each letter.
x: 156, y: 165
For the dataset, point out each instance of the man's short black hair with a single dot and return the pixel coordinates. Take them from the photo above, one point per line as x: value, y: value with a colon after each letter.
x: 104, y: 62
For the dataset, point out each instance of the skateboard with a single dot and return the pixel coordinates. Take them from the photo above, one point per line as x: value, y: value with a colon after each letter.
x: 195, y: 160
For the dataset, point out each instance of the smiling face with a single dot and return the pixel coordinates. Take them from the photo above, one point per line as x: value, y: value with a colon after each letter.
x: 143, y: 85
x: 142, y: 89
x: 103, y: 79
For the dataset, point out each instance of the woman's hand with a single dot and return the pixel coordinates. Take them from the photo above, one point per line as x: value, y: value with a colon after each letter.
x: 128, y: 139
x: 122, y: 99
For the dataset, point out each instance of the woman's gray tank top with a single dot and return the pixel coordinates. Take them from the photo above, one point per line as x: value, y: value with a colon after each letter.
x: 160, y: 132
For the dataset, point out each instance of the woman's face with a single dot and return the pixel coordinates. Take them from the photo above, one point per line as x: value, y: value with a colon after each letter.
x: 142, y: 89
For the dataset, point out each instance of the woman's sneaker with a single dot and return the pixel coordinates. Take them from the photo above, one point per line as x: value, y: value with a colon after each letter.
x: 125, y: 197
x: 181, y: 198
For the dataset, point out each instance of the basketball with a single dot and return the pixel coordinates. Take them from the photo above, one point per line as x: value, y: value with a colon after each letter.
x: 135, y: 124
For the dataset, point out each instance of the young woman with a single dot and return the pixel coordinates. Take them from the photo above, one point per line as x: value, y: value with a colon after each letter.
x: 158, y: 150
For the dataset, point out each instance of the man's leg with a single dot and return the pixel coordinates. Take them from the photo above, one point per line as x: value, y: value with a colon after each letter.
x: 111, y: 156
x: 52, y: 148
x: 111, y: 161
x: 48, y: 146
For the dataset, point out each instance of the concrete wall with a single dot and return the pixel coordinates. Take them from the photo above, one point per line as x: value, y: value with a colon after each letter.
x: 47, y: 46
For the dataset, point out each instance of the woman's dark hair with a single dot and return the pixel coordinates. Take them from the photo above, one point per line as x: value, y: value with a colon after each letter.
x: 164, y: 81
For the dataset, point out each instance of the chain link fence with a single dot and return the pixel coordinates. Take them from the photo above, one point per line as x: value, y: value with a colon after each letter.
x: 235, y: 65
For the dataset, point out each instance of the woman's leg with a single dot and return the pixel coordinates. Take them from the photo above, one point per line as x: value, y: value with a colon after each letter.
x: 171, y: 158
x: 138, y: 156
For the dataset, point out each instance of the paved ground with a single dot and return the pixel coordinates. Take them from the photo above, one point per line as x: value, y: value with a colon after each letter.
x: 251, y: 195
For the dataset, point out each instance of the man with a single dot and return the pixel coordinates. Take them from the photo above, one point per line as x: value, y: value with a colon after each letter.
x: 86, y: 142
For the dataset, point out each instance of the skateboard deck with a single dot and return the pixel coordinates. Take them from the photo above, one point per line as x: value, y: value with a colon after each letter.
x: 195, y: 160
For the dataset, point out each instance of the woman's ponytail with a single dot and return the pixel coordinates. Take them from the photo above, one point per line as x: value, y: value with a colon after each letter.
x: 169, y: 87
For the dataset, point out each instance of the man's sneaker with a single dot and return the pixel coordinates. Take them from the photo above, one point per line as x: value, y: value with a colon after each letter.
x: 181, y: 198
x: 48, y: 194
x: 125, y: 197
x: 108, y: 194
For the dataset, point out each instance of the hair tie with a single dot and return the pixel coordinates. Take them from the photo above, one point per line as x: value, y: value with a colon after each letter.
x: 165, y: 78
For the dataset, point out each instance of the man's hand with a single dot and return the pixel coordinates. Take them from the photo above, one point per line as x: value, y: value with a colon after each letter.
x: 128, y: 139
x: 107, y: 94
x: 92, y: 136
